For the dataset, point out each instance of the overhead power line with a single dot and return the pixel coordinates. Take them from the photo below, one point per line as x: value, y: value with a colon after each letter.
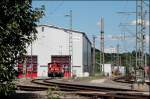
x: 57, y: 7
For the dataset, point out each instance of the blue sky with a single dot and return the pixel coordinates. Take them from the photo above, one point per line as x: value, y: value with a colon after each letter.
x: 86, y: 15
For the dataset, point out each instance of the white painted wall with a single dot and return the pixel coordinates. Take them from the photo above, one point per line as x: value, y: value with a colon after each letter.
x: 55, y: 41
x: 107, y: 69
x: 77, y: 54
x: 49, y: 42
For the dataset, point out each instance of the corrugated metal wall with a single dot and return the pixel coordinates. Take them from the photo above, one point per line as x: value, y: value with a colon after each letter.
x: 86, y: 55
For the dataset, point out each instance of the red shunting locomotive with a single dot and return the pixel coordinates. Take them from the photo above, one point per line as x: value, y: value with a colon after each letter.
x: 55, y: 70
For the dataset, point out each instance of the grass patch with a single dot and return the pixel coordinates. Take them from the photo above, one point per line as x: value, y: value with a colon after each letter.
x: 54, y: 93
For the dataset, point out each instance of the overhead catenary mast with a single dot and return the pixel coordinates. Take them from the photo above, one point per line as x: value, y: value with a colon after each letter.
x: 70, y: 42
x: 118, y: 56
x: 140, y: 40
x: 102, y: 59
x: 149, y: 41
x: 94, y: 61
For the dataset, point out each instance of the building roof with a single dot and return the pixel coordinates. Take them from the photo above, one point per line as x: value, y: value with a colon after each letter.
x: 66, y: 30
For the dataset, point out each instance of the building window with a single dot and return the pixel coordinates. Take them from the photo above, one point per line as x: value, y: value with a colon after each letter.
x: 42, y: 29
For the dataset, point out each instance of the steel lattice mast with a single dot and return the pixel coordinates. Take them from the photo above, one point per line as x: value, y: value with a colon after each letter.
x: 102, y: 59
x: 140, y: 40
x: 70, y: 42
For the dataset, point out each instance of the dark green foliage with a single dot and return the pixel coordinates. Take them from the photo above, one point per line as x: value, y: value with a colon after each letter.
x: 17, y: 31
x: 127, y: 59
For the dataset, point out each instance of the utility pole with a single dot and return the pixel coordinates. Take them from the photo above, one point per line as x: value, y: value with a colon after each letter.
x: 149, y: 41
x: 93, y: 69
x: 102, y: 59
x: 118, y: 57
x: 31, y: 61
x: 70, y: 42
x: 140, y: 40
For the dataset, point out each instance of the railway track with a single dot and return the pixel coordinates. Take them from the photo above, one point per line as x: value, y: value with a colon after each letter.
x: 86, y: 90
x: 114, y: 95
x: 123, y: 79
x: 128, y: 80
x: 31, y: 88
x: 84, y: 87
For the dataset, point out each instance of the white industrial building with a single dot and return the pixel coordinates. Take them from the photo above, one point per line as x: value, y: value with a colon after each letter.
x: 53, y: 41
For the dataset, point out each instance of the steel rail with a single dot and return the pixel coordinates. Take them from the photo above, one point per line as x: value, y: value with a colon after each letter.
x: 31, y: 88
x: 85, y: 87
x: 85, y: 90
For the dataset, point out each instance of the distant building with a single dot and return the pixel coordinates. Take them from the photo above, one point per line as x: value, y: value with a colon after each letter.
x: 107, y: 69
x: 120, y: 69
x: 53, y: 42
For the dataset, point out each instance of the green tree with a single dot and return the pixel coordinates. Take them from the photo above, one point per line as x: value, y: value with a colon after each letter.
x: 17, y: 31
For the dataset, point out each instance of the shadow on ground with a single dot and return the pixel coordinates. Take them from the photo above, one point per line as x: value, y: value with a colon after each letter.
x: 23, y: 96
